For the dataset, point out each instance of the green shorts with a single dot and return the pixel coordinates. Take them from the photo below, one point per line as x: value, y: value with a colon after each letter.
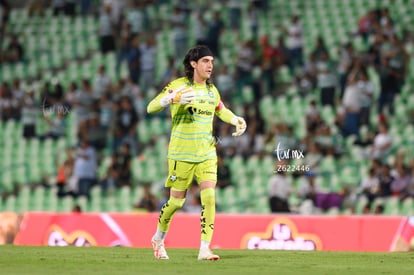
x: 182, y: 173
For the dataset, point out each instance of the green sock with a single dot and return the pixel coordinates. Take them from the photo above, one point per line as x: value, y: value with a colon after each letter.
x: 208, y: 213
x: 167, y: 212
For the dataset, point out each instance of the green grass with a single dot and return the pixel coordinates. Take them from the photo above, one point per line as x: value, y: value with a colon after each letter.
x: 120, y: 260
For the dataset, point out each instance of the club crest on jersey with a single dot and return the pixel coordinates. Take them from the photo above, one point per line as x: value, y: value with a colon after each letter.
x: 173, y: 177
x: 210, y: 93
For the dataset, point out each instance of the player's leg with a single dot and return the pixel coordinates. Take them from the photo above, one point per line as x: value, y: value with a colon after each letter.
x: 175, y: 202
x: 180, y: 175
x: 206, y: 174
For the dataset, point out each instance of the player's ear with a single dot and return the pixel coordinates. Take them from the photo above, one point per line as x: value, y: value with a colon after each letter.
x: 193, y: 64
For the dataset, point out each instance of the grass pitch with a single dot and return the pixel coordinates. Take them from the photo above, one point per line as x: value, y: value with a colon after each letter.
x: 120, y: 260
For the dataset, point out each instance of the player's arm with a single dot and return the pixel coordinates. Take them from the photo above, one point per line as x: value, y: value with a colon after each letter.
x: 181, y: 95
x: 226, y: 115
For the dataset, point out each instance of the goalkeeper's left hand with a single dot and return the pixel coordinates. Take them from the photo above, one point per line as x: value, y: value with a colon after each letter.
x: 240, y: 124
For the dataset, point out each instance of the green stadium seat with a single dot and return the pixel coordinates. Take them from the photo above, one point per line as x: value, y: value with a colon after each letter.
x: 407, y: 207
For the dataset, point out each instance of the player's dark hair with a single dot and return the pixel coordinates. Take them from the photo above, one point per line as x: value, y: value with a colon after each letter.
x: 194, y: 54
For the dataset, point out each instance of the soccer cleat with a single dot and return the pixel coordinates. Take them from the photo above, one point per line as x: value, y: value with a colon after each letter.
x: 207, y: 254
x: 159, y: 249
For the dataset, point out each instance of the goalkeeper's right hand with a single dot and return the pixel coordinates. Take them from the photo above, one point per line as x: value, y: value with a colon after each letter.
x: 183, y: 95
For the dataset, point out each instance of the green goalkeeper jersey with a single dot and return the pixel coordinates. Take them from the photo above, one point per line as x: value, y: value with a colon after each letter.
x: 192, y: 124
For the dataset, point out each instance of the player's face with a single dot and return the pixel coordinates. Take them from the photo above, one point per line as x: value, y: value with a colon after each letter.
x: 203, y: 68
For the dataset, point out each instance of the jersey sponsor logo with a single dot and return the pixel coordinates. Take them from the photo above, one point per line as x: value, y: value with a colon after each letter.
x: 197, y: 111
x: 204, y: 112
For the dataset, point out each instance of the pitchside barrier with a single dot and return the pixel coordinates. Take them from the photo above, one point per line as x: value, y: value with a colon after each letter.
x: 278, y: 232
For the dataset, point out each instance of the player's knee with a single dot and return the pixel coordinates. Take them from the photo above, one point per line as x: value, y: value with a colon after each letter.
x: 208, y: 196
x: 176, y: 203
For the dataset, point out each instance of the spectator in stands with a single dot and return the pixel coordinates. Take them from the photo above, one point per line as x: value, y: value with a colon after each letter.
x: 379, y: 209
x: 169, y: 74
x: 409, y: 191
x: 215, y: 29
x: 125, y: 161
x: 106, y: 30
x: 147, y: 64
x: 282, y: 52
x: 83, y: 102
x: 95, y: 132
x: 126, y: 122
x: 268, y: 62
x: 57, y: 124
x: 398, y: 60
x: 401, y: 180
x: 30, y: 108
x: 382, y: 143
x: 324, y: 139
x: 312, y: 158
x: 294, y: 32
x: 70, y: 7
x: 148, y: 202
x: 366, y: 23
x: 370, y: 186
x: 179, y: 30
x: 17, y: 91
x: 14, y: 52
x: 70, y: 94
x: 65, y: 175
x: 320, y: 48
x: 200, y: 28
x: 385, y: 180
x: 304, y: 84
x: 344, y: 64
x: 85, y: 7
x: 58, y: 7
x: 4, y: 18
x: 309, y: 188
x: 134, y: 57
x: 326, y: 80
x: 389, y: 78
x: 135, y: 17
x: 374, y: 50
x: 223, y: 173
x: 106, y: 119
x: 134, y: 91
x: 101, y: 83
x: 366, y: 89
x: 85, y: 168
x: 225, y: 83
x: 313, y: 117
x: 244, y: 64
x: 279, y: 190
x: 123, y: 44
x: 253, y: 15
x: 110, y: 180
x: 225, y: 145
x: 235, y: 10
x: 351, y: 103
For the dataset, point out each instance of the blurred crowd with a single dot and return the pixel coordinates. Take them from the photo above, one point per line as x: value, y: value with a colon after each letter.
x: 108, y: 111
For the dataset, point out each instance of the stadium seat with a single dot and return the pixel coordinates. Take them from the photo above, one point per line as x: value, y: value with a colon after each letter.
x: 407, y: 207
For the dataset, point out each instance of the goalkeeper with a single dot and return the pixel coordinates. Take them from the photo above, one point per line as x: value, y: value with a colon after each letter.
x: 193, y: 101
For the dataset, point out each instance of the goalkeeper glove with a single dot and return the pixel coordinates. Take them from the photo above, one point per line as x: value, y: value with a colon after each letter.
x: 240, y: 125
x: 179, y: 96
